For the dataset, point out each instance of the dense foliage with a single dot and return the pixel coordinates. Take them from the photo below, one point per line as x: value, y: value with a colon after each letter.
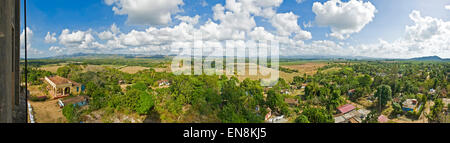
x: 214, y: 98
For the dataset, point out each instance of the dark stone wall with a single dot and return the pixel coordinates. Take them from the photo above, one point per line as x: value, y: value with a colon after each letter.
x: 9, y: 61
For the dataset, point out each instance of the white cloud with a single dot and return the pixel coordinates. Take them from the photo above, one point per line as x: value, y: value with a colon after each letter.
x: 78, y: 39
x: 56, y: 49
x: 30, y: 51
x: 105, y: 35
x: 307, y: 25
x: 263, y: 8
x: 344, y: 18
x: 302, y: 35
x: 114, y: 29
x: 428, y: 36
x: 424, y: 28
x: 109, y: 34
x: 187, y: 19
x: 239, y: 14
x: 300, y: 1
x: 447, y: 7
x: 285, y: 23
x: 50, y: 38
x: 144, y: 12
x: 259, y: 33
x: 232, y: 21
x: 236, y: 20
x: 204, y: 3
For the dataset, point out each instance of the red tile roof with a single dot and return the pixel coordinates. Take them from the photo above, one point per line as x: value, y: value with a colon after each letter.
x: 346, y: 108
x: 60, y: 80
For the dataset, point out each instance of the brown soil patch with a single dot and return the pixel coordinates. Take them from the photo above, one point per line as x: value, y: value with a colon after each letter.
x: 47, y: 112
x: 133, y: 69
x: 308, y: 68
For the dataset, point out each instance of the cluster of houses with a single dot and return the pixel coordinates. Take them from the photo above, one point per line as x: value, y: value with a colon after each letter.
x: 348, y: 114
x: 60, y: 87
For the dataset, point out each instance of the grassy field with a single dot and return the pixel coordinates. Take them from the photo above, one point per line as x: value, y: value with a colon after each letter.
x: 51, y: 68
x: 133, y: 69
x: 303, y: 67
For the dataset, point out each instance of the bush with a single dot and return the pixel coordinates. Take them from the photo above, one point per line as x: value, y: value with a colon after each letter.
x: 38, y: 98
x: 302, y: 119
x: 71, y: 113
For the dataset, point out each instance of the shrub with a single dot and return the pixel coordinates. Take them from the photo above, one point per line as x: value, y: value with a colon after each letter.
x: 71, y: 113
x: 38, y: 98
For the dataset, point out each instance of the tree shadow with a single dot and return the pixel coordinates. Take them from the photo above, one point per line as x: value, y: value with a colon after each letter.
x: 153, y: 117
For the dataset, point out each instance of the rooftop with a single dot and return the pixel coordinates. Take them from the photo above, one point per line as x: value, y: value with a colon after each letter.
x: 339, y: 119
x: 346, y: 108
x: 60, y: 80
x: 410, y: 103
x: 74, y: 100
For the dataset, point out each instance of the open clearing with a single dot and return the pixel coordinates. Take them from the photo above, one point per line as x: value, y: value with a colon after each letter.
x: 133, y: 69
x: 47, y: 112
x: 93, y: 68
x: 303, y: 68
x: 35, y: 91
x: 51, y: 68
x: 308, y: 68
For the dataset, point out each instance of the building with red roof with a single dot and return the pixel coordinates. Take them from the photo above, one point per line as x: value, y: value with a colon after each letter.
x: 346, y: 108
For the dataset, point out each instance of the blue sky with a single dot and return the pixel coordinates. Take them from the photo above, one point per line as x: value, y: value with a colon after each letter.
x: 145, y: 29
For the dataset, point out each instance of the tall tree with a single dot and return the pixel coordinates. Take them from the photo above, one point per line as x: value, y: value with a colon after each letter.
x: 383, y: 94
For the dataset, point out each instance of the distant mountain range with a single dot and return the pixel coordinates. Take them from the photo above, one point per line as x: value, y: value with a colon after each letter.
x: 307, y: 57
x: 101, y: 56
x: 430, y: 58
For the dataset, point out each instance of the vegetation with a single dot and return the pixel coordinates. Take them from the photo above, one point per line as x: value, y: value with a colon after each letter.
x: 288, y: 70
x: 214, y: 98
x: 71, y: 113
x: 383, y: 94
x: 317, y: 115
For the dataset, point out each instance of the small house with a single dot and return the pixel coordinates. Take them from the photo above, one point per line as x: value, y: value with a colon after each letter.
x: 75, y: 101
x: 304, y: 85
x: 350, y: 92
x: 284, y: 91
x: 163, y: 83
x: 61, y: 87
x: 432, y: 91
x: 409, y: 105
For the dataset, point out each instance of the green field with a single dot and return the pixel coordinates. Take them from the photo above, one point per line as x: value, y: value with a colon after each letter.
x: 241, y: 99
